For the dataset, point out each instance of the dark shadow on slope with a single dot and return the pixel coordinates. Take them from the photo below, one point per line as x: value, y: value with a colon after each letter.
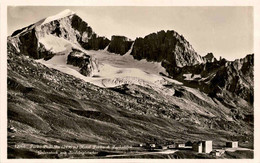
x: 21, y: 153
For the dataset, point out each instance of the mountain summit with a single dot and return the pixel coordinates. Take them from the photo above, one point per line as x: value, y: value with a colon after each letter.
x: 170, y: 48
x: 66, y: 25
x: 60, y: 15
x: 64, y: 33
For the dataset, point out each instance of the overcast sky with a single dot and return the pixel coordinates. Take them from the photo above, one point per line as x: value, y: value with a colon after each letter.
x: 225, y: 31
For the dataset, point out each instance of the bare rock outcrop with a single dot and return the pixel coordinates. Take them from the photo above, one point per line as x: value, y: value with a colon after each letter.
x: 209, y: 58
x: 119, y: 45
x: 87, y: 64
x: 170, y: 48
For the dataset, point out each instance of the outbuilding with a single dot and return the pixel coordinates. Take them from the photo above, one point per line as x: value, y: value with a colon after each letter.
x: 180, y: 145
x: 232, y: 144
x: 172, y: 146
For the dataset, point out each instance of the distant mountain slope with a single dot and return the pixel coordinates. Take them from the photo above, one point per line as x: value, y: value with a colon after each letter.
x: 220, y: 78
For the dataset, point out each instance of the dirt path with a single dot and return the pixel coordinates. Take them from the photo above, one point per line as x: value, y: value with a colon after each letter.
x: 238, y: 149
x: 144, y: 153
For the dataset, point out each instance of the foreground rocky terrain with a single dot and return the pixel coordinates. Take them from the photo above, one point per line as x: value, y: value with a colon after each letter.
x: 196, y: 98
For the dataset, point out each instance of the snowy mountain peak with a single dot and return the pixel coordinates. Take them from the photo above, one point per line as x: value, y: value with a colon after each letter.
x: 63, y: 14
x: 66, y: 12
x: 60, y: 15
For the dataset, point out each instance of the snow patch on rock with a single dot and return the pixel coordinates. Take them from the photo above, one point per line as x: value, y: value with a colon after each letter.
x: 55, y: 44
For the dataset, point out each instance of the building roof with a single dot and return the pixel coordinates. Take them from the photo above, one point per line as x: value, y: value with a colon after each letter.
x: 198, y: 142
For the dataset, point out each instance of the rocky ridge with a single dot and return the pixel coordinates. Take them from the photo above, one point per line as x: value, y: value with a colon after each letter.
x: 220, y: 78
x: 119, y: 45
x: 209, y: 58
x: 170, y: 48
